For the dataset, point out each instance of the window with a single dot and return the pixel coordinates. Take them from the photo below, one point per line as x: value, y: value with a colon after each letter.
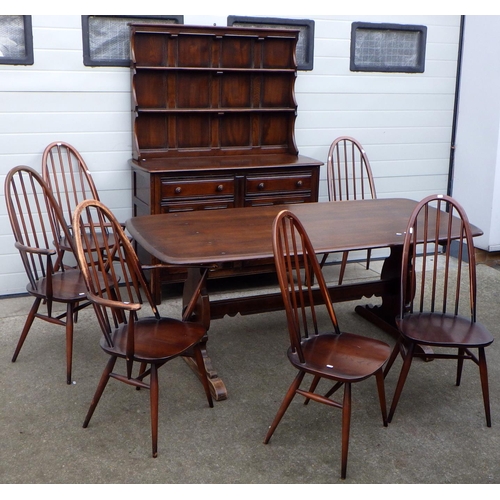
x: 16, y: 40
x: 106, y: 39
x: 388, y: 47
x: 305, y: 44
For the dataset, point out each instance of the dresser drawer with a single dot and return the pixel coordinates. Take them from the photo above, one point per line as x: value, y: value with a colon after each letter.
x: 192, y: 188
x: 197, y: 204
x: 277, y: 184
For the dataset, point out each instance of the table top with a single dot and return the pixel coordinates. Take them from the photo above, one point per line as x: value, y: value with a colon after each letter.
x: 215, y: 236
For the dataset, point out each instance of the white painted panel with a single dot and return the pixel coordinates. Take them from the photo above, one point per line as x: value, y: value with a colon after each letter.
x: 51, y: 123
x: 18, y: 144
x: 374, y: 102
x: 53, y: 22
x: 84, y: 80
x: 477, y: 159
x: 347, y: 119
x: 379, y: 84
x: 57, y: 38
x: 12, y: 262
x: 50, y: 102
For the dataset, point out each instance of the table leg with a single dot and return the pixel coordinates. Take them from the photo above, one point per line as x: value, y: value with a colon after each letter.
x: 196, y: 307
x: 384, y: 315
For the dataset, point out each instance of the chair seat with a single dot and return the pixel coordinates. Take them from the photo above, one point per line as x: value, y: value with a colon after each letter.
x: 345, y: 357
x: 444, y: 330
x: 156, y: 340
x: 67, y: 286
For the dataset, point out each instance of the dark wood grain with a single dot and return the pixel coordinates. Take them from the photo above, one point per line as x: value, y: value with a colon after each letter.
x: 238, y: 234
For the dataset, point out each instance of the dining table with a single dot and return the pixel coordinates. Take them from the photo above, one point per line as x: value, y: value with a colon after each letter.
x: 203, y: 241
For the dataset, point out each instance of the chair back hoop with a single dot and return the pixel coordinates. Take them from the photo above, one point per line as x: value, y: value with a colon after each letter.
x: 432, y: 280
x: 300, y: 278
x: 67, y: 174
x: 111, y: 269
x: 37, y: 223
x: 349, y: 174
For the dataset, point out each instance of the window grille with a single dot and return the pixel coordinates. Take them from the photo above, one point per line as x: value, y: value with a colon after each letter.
x: 16, y: 40
x: 388, y: 48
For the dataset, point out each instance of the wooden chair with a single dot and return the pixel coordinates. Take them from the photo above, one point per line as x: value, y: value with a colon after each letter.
x: 343, y: 358
x: 349, y: 177
x: 147, y: 340
x: 67, y: 174
x: 37, y: 222
x: 438, y: 299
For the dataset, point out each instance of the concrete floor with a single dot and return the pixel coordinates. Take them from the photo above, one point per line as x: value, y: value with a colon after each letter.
x: 438, y: 434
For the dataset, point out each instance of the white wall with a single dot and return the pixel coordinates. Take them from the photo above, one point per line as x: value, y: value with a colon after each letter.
x: 403, y: 120
x: 476, y: 180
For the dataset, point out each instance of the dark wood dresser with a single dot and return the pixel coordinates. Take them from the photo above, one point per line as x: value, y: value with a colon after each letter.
x: 213, y: 118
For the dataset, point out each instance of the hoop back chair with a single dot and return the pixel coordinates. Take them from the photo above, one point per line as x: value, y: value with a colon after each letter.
x: 67, y: 174
x: 438, y: 293
x: 349, y: 177
x: 37, y: 223
x: 138, y: 339
x: 343, y: 358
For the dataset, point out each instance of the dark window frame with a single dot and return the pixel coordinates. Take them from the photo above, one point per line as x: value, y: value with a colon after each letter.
x: 29, y: 58
x: 277, y: 22
x: 87, y: 58
x: 419, y: 67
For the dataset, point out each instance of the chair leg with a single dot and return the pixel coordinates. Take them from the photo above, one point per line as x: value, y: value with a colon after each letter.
x: 402, y: 379
x: 26, y: 328
x: 203, y: 374
x: 346, y: 427
x: 343, y: 265
x: 313, y: 386
x: 379, y: 376
x: 69, y: 341
x: 483, y: 371
x: 141, y: 375
x: 75, y: 313
x: 100, y: 389
x: 394, y: 354
x: 334, y: 389
x: 284, y: 405
x: 460, y: 364
x: 368, y: 258
x: 153, y: 390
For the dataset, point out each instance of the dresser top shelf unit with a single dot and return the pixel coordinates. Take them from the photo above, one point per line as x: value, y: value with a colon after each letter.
x: 213, y: 47
x: 201, y: 91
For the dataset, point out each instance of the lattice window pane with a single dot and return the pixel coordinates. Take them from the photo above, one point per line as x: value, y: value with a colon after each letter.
x: 15, y: 33
x: 387, y: 48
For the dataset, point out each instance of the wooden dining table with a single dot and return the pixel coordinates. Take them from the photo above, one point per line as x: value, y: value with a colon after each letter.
x: 205, y: 240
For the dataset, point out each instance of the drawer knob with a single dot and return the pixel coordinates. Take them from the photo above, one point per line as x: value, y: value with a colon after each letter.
x: 178, y: 190
x: 299, y: 184
x: 261, y: 186
x: 220, y: 188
